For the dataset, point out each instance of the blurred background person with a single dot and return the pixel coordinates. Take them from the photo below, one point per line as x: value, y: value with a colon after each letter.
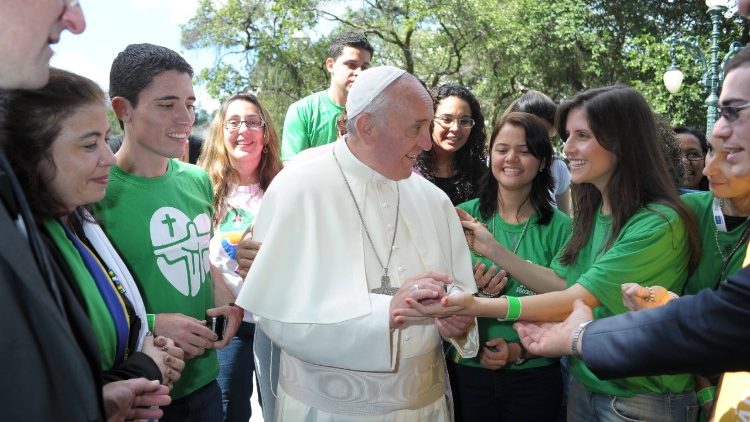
x: 694, y: 148
x: 542, y: 106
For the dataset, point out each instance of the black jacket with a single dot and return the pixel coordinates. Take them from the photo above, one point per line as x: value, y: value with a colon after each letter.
x: 707, y: 333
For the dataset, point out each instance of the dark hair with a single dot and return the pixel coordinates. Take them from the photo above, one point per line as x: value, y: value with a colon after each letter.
x: 536, y: 103
x: 135, y: 68
x: 349, y: 39
x: 34, y: 121
x: 537, y: 141
x: 214, y: 158
x: 623, y: 124
x: 699, y: 135
x: 672, y: 152
x: 742, y: 58
x: 470, y: 161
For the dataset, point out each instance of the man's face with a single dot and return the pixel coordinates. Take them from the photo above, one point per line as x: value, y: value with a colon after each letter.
x: 347, y: 66
x: 161, y: 122
x: 735, y: 135
x: 404, y: 132
x: 27, y: 29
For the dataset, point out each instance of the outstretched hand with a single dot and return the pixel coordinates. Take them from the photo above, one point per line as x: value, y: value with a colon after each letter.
x: 424, y: 288
x: 459, y: 303
x: 480, y: 239
x: 636, y: 297
x: 135, y: 398
x: 553, y: 339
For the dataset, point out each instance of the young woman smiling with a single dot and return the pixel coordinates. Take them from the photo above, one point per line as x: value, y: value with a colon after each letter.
x: 629, y: 225
x: 457, y: 159
x: 516, y: 207
x: 241, y: 155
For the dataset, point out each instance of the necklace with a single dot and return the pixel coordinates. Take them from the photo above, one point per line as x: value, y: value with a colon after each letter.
x: 481, y: 292
x: 385, y: 281
x: 743, y: 239
x: 520, y: 238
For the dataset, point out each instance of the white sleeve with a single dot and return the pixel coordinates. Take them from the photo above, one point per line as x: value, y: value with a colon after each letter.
x: 360, y: 344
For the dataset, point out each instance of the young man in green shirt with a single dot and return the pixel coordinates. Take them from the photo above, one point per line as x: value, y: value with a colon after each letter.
x: 311, y: 121
x: 157, y: 212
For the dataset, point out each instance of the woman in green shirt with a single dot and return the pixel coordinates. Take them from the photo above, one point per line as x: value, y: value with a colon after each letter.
x: 724, y: 230
x: 629, y: 225
x: 515, y: 205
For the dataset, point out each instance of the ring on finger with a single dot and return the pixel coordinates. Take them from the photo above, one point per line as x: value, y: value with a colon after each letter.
x: 414, y: 287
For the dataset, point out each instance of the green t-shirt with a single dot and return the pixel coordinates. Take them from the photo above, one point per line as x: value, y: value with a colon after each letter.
x: 539, y: 244
x: 709, y: 272
x: 651, y: 249
x: 310, y: 122
x: 161, y: 227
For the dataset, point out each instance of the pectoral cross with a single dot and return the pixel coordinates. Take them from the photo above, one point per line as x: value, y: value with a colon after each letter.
x: 385, y: 286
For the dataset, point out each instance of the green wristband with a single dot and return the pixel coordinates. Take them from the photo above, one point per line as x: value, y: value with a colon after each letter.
x: 514, y: 308
x: 150, y: 318
x: 706, y: 395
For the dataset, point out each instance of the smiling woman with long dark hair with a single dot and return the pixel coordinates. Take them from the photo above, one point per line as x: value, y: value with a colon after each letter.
x: 457, y: 159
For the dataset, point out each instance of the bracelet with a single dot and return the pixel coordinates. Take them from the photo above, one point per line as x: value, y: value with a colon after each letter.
x: 482, y: 293
x: 706, y: 395
x: 514, y: 309
x: 576, y: 335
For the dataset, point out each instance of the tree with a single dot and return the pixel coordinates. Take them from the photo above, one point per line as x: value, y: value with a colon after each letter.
x: 497, y: 48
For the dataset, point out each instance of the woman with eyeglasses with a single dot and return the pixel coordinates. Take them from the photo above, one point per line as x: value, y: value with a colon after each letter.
x: 629, y: 225
x: 694, y: 148
x: 516, y: 206
x: 457, y: 159
x: 241, y: 156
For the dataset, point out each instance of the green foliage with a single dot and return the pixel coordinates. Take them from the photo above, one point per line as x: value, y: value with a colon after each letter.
x: 498, y: 48
x: 114, y: 124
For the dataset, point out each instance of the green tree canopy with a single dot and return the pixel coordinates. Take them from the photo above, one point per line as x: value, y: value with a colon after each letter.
x: 497, y: 48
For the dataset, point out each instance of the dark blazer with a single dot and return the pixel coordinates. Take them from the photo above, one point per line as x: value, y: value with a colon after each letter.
x: 707, y: 333
x: 50, y: 365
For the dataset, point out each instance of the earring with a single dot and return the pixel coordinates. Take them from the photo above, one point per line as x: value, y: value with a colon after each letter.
x: 541, y: 168
x: 265, y: 149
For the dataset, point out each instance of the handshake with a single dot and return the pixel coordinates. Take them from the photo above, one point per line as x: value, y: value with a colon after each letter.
x: 428, y: 296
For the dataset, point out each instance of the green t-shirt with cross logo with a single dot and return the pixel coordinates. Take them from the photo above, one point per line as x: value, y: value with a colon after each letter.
x: 161, y: 227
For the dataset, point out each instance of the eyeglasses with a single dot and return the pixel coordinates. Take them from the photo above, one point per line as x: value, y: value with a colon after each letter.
x: 447, y: 121
x: 235, y: 125
x: 694, y: 156
x: 731, y: 113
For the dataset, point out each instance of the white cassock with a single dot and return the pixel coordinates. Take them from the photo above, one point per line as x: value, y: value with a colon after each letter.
x: 309, y: 289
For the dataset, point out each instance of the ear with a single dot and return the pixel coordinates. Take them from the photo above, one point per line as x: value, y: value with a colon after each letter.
x: 122, y: 109
x: 329, y: 64
x: 366, y: 127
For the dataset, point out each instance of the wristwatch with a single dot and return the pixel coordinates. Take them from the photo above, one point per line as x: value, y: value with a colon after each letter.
x: 521, y: 359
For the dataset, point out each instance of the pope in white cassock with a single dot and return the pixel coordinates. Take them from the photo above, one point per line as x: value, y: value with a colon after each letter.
x: 348, y: 237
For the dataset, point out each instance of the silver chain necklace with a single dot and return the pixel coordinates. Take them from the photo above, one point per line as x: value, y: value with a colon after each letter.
x: 385, y: 281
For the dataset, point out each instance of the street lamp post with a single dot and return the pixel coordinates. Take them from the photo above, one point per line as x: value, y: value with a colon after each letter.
x: 713, y: 74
